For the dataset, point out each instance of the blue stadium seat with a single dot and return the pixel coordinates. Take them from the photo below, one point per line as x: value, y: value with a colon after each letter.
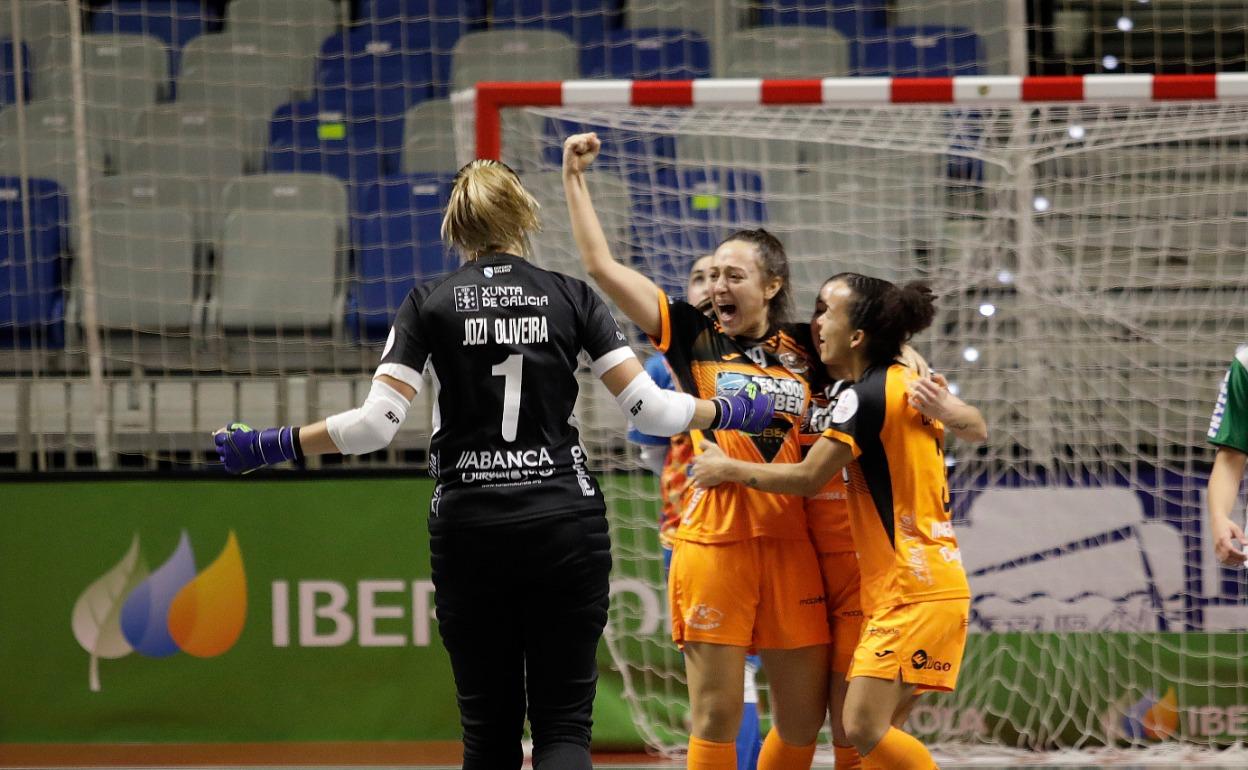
x: 8, y: 79
x: 32, y: 305
x: 585, y: 21
x: 648, y: 54
x: 172, y: 22
x: 919, y: 52
x: 398, y: 245
x: 679, y: 215
x: 623, y: 151
x: 315, y: 137
x: 428, y: 26
x: 852, y: 18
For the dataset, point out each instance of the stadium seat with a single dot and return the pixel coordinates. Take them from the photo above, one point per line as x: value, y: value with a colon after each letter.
x: 8, y: 76
x: 788, y: 52
x: 310, y: 137
x: 919, y: 52
x: 585, y: 21
x: 427, y: 26
x: 252, y: 92
x: 52, y: 118
x: 246, y: 51
x: 398, y: 245
x: 987, y: 19
x: 209, y: 143
x: 685, y: 213
x: 429, y: 138
x: 54, y: 158
x: 124, y: 75
x: 648, y: 54
x: 44, y: 22
x: 699, y: 15
x: 298, y: 193
x: 375, y: 75
x: 277, y: 270
x: 513, y: 55
x: 145, y: 269
x: 855, y: 19
x: 173, y: 23
x: 289, y: 29
x: 148, y: 191
x: 31, y: 299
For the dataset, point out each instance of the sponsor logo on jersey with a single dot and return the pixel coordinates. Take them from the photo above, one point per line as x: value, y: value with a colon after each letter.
x: 794, y: 362
x: 942, y: 529
x: 846, y: 407
x: 510, y: 296
x: 731, y: 356
x: 467, y: 299
x: 916, y: 559
x: 789, y: 395
x: 496, y: 460
x: 494, y: 270
x: 882, y: 631
x: 922, y: 662
x: 582, y: 475
x: 812, y: 600
x: 882, y: 653
x: 704, y: 618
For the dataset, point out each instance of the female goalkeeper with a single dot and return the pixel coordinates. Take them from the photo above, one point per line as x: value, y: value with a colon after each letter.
x: 743, y: 573
x: 517, y: 524
x: 914, y: 592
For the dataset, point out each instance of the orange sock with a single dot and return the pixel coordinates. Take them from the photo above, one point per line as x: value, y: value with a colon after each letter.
x: 709, y: 755
x: 847, y: 757
x: 899, y: 751
x: 778, y: 755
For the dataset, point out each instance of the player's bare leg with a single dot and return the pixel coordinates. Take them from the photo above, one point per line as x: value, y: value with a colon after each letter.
x: 871, y: 705
x: 716, y: 689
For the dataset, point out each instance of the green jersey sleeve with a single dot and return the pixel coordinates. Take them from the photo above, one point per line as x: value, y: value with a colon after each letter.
x: 1229, y: 426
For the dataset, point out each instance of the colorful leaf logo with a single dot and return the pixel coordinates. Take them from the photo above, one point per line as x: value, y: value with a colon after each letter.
x: 206, y: 617
x: 97, y: 613
x: 144, y: 617
x: 165, y: 612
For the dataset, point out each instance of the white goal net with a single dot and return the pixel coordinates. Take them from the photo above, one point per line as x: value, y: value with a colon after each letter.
x: 1089, y: 260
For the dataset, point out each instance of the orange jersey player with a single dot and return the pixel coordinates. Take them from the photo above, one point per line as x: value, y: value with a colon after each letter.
x: 744, y: 573
x: 888, y: 429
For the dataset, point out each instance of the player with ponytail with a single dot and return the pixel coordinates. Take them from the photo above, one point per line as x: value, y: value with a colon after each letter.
x: 888, y: 428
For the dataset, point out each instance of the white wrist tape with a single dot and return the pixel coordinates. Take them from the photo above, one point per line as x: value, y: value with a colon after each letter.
x: 654, y: 411
x: 373, y: 425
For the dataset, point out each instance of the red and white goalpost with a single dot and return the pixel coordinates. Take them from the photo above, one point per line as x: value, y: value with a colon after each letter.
x: 1087, y: 238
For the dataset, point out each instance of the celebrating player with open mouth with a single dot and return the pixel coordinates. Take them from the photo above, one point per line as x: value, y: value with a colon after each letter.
x: 744, y: 573
x: 518, y: 528
x: 915, y: 596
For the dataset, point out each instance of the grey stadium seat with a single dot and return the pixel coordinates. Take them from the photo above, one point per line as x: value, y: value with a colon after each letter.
x: 53, y: 158
x: 50, y: 118
x: 787, y: 52
x: 248, y: 91
x: 286, y: 193
x: 187, y: 140
x: 986, y: 18
x: 429, y: 138
x: 247, y: 50
x: 513, y: 55
x: 44, y: 23
x: 277, y: 270
x: 289, y: 28
x: 145, y: 269
x: 715, y: 20
x: 143, y: 191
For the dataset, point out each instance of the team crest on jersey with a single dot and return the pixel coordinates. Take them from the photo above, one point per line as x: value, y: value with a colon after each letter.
x: 794, y: 362
x: 467, y: 299
x: 846, y: 407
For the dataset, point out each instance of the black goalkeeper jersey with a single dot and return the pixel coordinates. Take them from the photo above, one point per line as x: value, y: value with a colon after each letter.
x: 500, y: 339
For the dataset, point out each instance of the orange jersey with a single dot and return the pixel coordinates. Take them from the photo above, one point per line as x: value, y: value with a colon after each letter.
x: 706, y: 363
x: 673, y: 482
x: 898, y: 493
x: 827, y: 513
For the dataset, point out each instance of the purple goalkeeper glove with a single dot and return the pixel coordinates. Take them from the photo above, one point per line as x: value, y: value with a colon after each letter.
x: 243, y: 450
x: 747, y: 410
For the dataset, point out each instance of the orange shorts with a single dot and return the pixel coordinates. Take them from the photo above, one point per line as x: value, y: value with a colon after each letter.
x: 762, y: 593
x: 841, y: 582
x: 923, y: 641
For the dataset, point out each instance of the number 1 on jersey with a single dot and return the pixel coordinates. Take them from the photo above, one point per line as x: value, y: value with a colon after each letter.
x: 510, y: 370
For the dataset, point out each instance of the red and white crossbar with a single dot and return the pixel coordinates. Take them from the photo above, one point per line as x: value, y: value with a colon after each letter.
x: 493, y: 97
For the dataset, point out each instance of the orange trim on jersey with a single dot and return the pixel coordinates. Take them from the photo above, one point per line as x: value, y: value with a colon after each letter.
x: 846, y: 439
x: 665, y: 325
